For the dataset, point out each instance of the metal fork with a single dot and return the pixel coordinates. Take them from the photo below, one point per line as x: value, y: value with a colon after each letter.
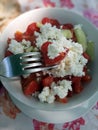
x: 23, y: 63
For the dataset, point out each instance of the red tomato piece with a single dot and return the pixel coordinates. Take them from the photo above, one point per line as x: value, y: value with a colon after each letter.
x: 77, y: 88
x: 32, y: 28
x: 31, y: 88
x: 47, y: 81
x: 8, y: 41
x: 8, y: 53
x: 56, y: 60
x: 86, y: 56
x: 53, y: 22
x: 67, y: 26
x: 70, y: 93
x: 76, y: 84
x: 45, y: 20
x: 44, y: 47
x: 47, y: 60
x: 26, y: 81
x: 18, y: 36
x: 61, y: 100
x: 31, y: 38
x: 86, y: 78
x: 76, y: 79
x: 85, y: 70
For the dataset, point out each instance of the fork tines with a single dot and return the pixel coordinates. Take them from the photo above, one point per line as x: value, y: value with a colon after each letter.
x: 33, y: 62
x: 31, y: 56
x: 32, y: 59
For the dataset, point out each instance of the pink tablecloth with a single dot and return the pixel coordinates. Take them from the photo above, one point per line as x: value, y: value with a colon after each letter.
x: 10, y: 117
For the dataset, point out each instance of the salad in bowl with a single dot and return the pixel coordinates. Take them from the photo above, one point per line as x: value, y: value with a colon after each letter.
x: 64, y: 38
x: 63, y: 44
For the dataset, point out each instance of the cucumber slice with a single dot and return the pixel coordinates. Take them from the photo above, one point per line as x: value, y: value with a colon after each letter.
x: 90, y: 49
x: 39, y: 24
x: 81, y: 37
x: 29, y: 49
x: 67, y: 33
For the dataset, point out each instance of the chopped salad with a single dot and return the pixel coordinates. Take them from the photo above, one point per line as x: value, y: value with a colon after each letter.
x: 63, y: 44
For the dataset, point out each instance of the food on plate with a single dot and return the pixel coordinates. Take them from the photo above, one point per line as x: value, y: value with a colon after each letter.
x: 63, y: 44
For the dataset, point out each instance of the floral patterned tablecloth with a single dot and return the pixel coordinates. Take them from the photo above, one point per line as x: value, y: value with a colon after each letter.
x: 11, y: 118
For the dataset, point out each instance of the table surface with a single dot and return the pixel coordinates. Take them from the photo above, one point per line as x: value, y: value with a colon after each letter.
x: 10, y: 116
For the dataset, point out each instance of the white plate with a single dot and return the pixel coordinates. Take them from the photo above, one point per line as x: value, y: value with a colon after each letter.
x: 14, y: 86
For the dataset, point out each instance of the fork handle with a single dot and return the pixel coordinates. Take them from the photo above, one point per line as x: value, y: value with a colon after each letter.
x: 1, y: 69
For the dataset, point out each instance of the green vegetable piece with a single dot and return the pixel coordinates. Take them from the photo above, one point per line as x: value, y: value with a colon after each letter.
x: 67, y: 33
x: 29, y: 49
x: 81, y: 37
x: 90, y: 49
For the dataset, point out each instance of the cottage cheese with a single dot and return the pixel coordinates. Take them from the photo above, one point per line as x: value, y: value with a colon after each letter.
x: 54, y: 35
x: 47, y: 33
x: 60, y: 89
x: 46, y: 95
x: 73, y: 63
x: 19, y: 47
x: 15, y: 47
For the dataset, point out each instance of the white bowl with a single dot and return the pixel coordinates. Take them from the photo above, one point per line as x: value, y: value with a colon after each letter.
x: 56, y: 116
x: 14, y: 87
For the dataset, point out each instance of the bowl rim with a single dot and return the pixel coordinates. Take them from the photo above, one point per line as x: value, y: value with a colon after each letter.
x: 45, y: 116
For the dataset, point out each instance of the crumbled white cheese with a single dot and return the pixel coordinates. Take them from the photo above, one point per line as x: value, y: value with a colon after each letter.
x: 19, y: 47
x: 61, y: 88
x: 47, y: 33
x: 43, y: 95
x: 46, y: 95
x: 26, y: 44
x: 50, y: 98
x: 15, y: 47
x: 74, y: 62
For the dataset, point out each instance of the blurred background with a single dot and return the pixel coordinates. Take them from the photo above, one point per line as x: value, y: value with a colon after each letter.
x: 9, y: 9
